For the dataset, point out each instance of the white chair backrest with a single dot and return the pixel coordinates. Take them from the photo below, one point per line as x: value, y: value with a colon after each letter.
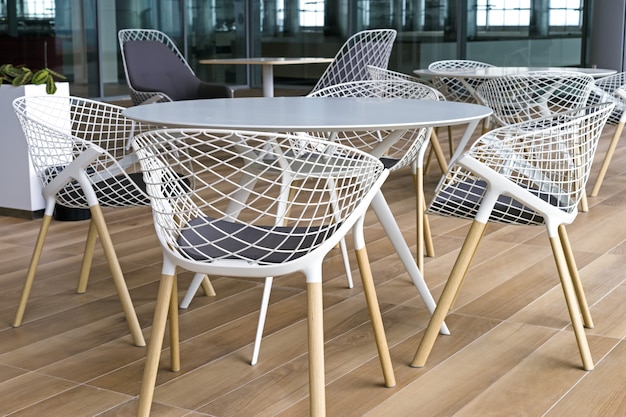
x: 452, y: 88
x: 61, y: 130
x: 519, y: 97
x: 536, y: 168
x: 606, y: 89
x: 368, y: 47
x: 405, y: 149
x: 194, y: 176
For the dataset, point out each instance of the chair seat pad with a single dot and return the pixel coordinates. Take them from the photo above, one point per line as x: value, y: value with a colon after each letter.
x: 208, y: 239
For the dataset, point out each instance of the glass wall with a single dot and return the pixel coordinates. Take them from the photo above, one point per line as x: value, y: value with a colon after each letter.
x: 79, y: 37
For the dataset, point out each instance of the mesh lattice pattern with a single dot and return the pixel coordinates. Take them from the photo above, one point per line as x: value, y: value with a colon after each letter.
x: 382, y: 74
x: 604, y: 91
x: 535, y: 162
x: 368, y: 47
x: 405, y: 149
x: 59, y: 129
x: 259, y: 197
x: 452, y: 88
x: 519, y: 97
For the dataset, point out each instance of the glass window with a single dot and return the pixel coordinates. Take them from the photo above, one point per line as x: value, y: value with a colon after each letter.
x: 36, y: 9
x: 490, y: 13
x: 566, y: 13
x: 312, y: 13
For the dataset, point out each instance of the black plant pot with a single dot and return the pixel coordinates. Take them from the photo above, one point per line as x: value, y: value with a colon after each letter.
x: 68, y: 214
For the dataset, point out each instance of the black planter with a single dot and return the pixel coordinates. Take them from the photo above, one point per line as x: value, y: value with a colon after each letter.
x: 68, y: 214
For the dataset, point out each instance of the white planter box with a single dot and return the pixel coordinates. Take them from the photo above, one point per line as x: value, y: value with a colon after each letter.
x: 20, y: 189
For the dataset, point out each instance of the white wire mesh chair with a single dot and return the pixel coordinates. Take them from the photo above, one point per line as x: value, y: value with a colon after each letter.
x: 399, y: 155
x: 156, y: 71
x: 384, y: 74
x: 368, y: 47
x: 520, y: 97
x: 453, y: 88
x: 275, y: 230
x: 610, y: 89
x: 457, y: 89
x: 81, y: 153
x: 395, y: 154
x: 526, y: 96
x: 531, y: 173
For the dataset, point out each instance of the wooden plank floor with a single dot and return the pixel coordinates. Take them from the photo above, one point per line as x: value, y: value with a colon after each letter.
x: 511, y: 352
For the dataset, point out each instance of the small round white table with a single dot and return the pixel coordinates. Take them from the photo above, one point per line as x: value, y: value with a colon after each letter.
x: 267, y: 65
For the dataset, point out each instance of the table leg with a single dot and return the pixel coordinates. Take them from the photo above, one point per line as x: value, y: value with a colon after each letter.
x: 268, y: 80
x: 386, y: 219
x: 471, y: 126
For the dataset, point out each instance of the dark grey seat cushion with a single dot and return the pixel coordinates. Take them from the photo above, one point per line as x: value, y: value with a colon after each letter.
x: 152, y: 66
x: 210, y: 239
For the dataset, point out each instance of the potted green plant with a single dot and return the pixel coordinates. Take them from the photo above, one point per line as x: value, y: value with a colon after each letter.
x: 20, y: 188
x: 22, y: 75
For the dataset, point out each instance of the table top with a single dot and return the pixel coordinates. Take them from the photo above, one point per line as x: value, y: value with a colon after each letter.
x: 307, y: 114
x: 493, y: 72
x: 268, y: 60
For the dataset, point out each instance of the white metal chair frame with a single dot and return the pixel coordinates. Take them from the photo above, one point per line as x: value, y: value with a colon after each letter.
x: 81, y: 153
x: 406, y: 149
x: 457, y: 89
x: 383, y: 74
x: 531, y: 173
x: 610, y: 89
x: 275, y: 229
x: 453, y: 88
x: 367, y: 47
x: 520, y: 97
x: 396, y: 153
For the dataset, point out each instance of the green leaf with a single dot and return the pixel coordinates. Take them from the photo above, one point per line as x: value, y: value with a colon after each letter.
x: 23, y: 78
x: 40, y: 77
x: 51, y: 87
x: 56, y: 74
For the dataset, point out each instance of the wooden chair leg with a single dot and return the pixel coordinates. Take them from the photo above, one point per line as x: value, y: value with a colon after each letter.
x: 207, y: 287
x: 90, y: 246
x: 429, y: 248
x: 584, y: 204
x: 429, y: 158
x: 32, y: 270
x: 436, y: 148
x: 420, y: 237
x: 174, y: 328
x: 572, y: 303
x: 159, y: 322
x: 424, y: 240
x: 375, y: 317
x: 317, y: 385
x: 576, y: 281
x: 607, y: 158
x: 118, y: 277
x: 449, y: 294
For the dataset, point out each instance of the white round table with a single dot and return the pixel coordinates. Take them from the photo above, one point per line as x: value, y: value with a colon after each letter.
x: 307, y: 114
x: 267, y: 65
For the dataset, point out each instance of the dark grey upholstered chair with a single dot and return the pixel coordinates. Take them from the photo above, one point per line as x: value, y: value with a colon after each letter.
x: 156, y: 70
